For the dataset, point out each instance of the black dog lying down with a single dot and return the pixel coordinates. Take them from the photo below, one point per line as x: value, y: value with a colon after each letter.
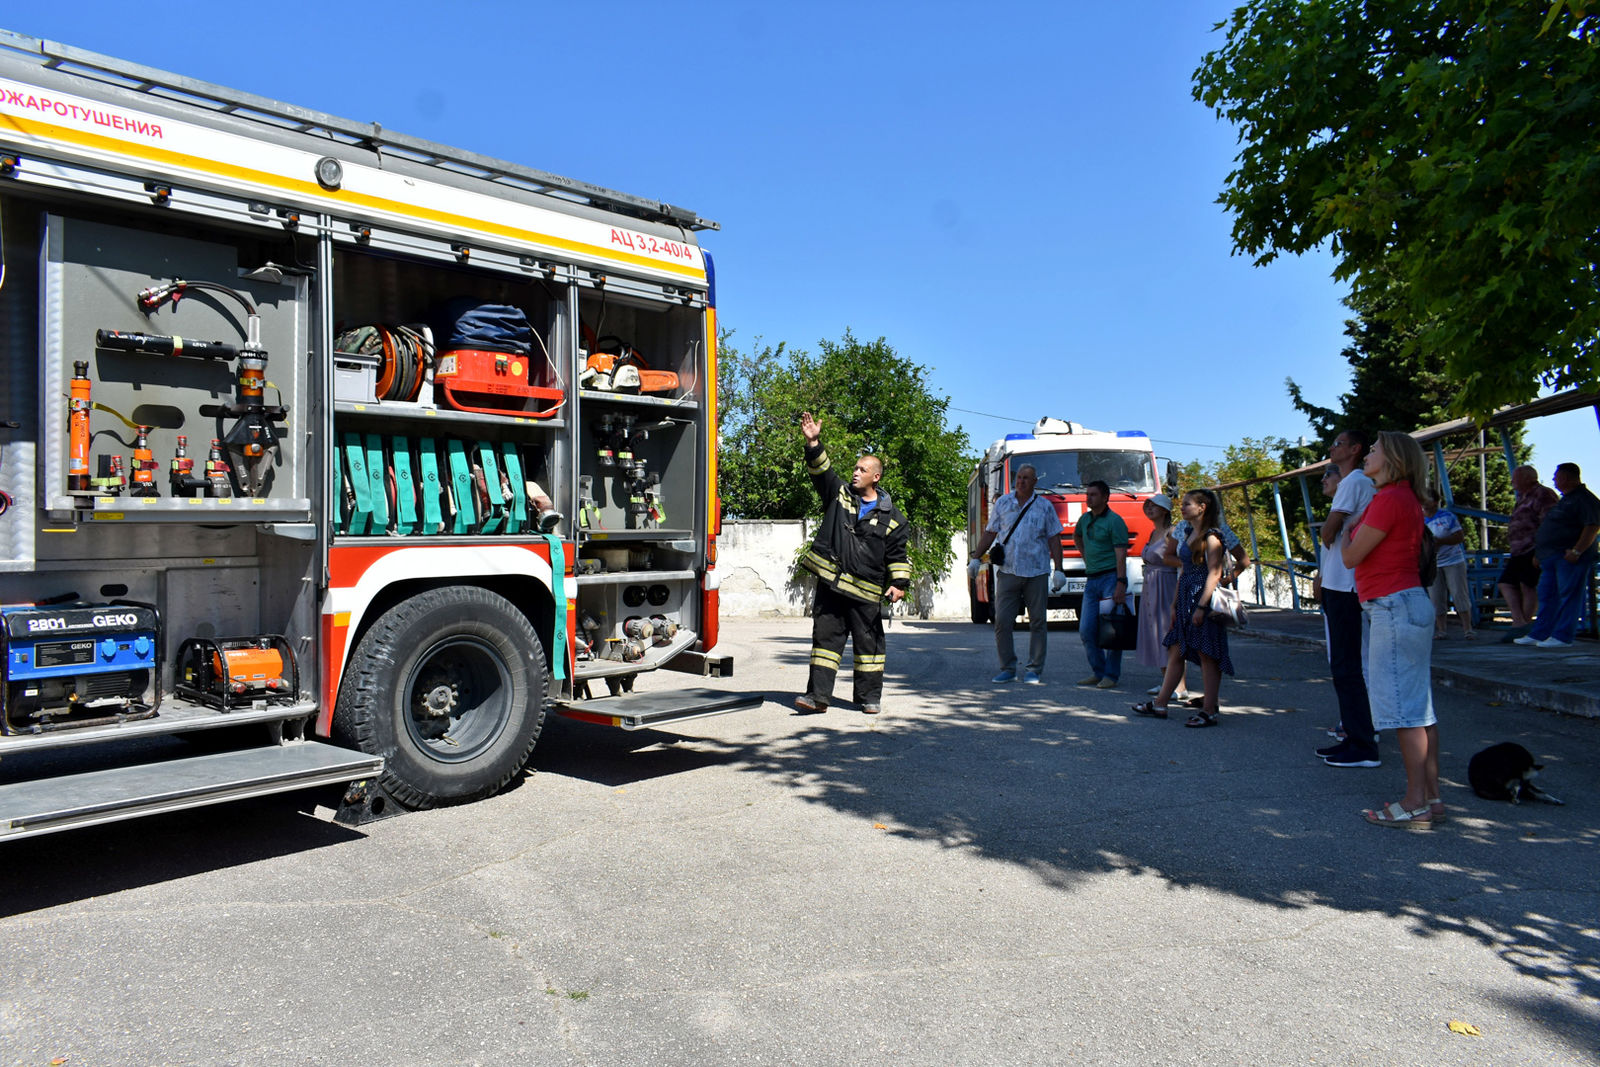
x: 1505, y: 772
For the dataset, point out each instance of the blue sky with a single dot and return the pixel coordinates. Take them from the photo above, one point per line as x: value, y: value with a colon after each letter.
x: 1020, y: 197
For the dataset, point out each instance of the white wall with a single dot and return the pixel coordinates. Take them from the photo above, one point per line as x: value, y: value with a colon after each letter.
x: 757, y: 557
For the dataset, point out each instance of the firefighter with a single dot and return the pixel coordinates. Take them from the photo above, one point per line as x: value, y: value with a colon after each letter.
x: 858, y: 556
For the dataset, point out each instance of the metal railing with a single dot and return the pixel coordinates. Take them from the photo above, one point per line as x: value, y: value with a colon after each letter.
x: 1484, y: 564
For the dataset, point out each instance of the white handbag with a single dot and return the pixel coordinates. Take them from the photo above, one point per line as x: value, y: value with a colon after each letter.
x: 1226, y: 603
x: 1228, y: 606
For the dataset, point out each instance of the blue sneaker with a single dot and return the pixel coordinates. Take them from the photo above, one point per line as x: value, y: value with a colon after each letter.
x: 1031, y: 678
x: 1005, y: 676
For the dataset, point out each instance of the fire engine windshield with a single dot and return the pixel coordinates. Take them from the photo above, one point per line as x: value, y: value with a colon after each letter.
x: 1069, y: 472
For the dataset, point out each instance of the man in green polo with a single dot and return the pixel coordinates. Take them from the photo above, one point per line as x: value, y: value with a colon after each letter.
x: 1102, y: 540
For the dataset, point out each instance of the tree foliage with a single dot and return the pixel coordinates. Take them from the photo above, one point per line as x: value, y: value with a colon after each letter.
x: 1250, y: 458
x: 868, y: 399
x: 1445, y: 152
x: 1394, y: 384
x: 1397, y: 386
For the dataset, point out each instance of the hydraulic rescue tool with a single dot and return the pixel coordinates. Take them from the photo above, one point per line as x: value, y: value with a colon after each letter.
x: 110, y: 479
x: 144, y: 465
x: 78, y: 408
x: 218, y: 480
x: 184, y: 482
x: 253, y: 435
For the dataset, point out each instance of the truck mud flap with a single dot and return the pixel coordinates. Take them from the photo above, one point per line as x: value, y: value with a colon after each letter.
x: 30, y: 808
x: 643, y: 711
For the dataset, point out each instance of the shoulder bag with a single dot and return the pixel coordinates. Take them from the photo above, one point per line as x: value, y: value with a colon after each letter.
x: 997, y: 553
x: 1226, y: 603
x: 1118, y: 630
x: 1427, y: 557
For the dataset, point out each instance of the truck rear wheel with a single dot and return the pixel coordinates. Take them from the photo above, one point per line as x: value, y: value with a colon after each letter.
x: 449, y: 688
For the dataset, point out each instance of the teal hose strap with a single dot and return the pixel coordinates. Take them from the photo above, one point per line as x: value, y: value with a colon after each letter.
x: 558, y: 588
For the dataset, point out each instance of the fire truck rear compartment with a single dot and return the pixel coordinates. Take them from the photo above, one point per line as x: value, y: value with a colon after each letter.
x: 183, y: 427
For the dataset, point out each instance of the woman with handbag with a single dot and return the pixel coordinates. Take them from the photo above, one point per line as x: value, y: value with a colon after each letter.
x: 1196, y: 635
x: 1384, y: 549
x: 1160, y: 589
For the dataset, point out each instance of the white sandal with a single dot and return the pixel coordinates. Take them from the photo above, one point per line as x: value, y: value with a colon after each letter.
x: 1395, y: 815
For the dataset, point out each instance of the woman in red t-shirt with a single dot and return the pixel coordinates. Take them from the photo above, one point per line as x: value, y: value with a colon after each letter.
x: 1384, y: 550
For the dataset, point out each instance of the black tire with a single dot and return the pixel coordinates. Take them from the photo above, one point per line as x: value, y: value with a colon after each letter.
x: 449, y: 688
x: 981, y: 612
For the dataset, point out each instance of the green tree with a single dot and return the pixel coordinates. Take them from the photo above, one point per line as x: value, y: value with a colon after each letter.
x: 1190, y: 474
x: 1248, y: 459
x: 868, y: 399
x: 760, y: 474
x: 1396, y: 386
x: 1444, y: 150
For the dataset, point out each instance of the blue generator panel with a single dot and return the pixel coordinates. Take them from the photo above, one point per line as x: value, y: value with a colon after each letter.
x: 52, y: 642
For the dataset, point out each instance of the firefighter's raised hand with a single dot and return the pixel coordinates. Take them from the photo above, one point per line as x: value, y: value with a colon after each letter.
x: 810, y: 427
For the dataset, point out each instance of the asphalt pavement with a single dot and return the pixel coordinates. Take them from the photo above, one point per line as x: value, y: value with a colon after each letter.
x: 983, y: 874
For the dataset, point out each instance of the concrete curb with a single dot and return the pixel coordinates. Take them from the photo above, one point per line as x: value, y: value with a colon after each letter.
x: 1546, y: 697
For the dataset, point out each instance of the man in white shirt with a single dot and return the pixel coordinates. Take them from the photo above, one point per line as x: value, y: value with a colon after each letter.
x: 1341, y: 608
x: 1030, y: 530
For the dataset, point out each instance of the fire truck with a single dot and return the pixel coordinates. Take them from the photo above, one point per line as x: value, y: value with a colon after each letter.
x: 330, y: 455
x: 1067, y: 457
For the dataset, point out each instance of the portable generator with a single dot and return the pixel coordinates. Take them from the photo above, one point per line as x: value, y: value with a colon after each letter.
x: 237, y: 672
x: 494, y: 383
x: 79, y: 664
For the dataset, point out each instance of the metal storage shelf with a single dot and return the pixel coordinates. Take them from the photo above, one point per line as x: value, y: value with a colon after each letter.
x: 205, y: 509
x: 175, y: 715
x: 435, y: 540
x: 639, y: 400
x: 633, y: 577
x: 444, y: 417
x: 637, y: 535
x: 657, y: 655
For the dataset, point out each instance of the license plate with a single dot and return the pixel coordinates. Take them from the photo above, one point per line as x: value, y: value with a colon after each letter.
x: 1075, y: 585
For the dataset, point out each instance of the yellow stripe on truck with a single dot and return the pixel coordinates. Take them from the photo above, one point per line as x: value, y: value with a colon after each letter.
x: 164, y: 157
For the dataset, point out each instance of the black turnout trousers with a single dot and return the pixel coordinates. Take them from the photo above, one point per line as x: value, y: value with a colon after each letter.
x: 835, y: 617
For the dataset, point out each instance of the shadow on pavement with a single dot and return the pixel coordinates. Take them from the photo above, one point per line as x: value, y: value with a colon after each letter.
x: 608, y: 756
x: 43, y: 872
x: 1066, y: 783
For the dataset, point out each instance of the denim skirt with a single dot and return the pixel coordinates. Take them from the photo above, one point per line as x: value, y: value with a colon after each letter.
x: 1397, y: 652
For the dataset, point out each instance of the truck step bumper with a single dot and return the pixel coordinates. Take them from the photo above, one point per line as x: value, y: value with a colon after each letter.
x: 641, y: 711
x: 30, y: 808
